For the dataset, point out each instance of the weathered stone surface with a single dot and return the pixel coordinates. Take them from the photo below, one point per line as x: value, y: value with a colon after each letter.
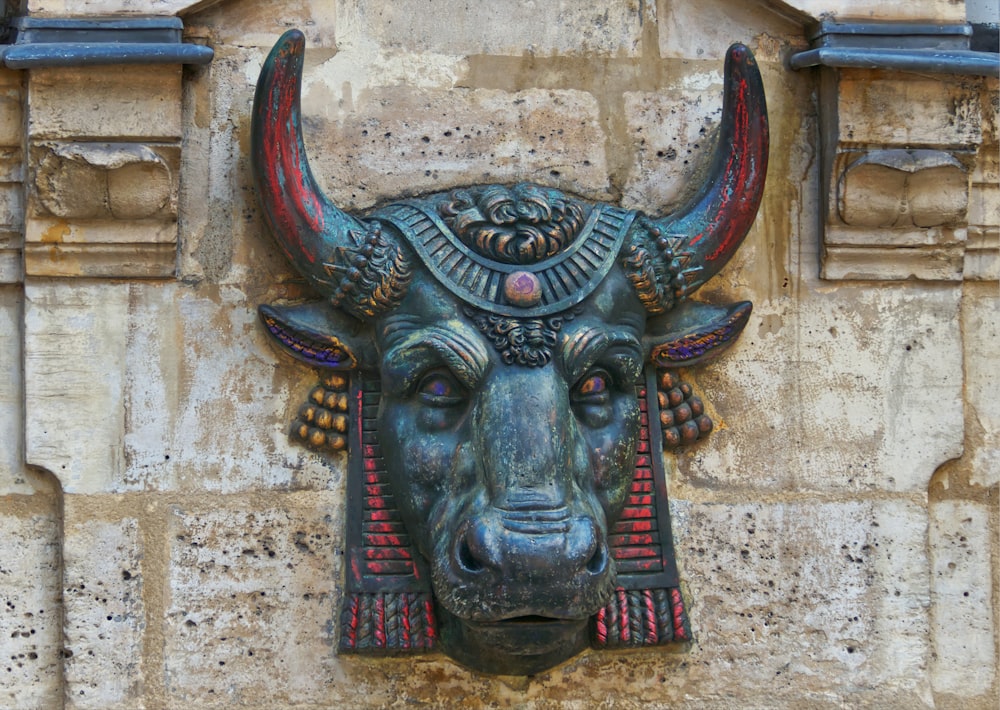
x: 684, y: 31
x: 406, y: 142
x: 500, y: 27
x: 912, y: 10
x: 880, y: 408
x: 105, y: 7
x: 11, y: 394
x: 981, y: 335
x: 74, y: 367
x: 964, y: 661
x: 11, y: 267
x: 891, y: 264
x: 11, y: 113
x: 113, y: 102
x: 260, y: 23
x: 11, y: 206
x: 30, y: 632
x: 671, y: 133
x: 823, y: 599
x: 104, y: 610
x: 223, y: 426
x: 251, y: 611
x: 895, y: 108
x: 122, y: 261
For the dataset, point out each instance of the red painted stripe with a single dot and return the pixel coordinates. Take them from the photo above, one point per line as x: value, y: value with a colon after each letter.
x: 623, y: 527
x: 387, y: 553
x: 631, y: 540
x: 386, y: 540
x: 633, y: 513
x: 634, y: 553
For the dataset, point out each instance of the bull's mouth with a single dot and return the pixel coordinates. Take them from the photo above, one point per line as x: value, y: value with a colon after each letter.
x: 528, y: 635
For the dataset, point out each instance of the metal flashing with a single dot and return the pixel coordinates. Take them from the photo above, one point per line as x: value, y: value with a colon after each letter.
x: 61, y: 42
x: 902, y: 46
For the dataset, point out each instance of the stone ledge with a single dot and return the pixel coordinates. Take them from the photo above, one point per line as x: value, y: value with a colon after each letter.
x: 142, y: 261
x: 892, y: 264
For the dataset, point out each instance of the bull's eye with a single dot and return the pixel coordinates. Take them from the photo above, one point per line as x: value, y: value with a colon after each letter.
x: 593, y: 388
x: 439, y: 389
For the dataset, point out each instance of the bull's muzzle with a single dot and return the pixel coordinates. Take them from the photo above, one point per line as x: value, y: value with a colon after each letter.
x: 533, y: 545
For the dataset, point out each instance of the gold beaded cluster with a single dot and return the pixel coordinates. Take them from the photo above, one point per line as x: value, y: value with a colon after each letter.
x: 322, y: 421
x: 682, y: 414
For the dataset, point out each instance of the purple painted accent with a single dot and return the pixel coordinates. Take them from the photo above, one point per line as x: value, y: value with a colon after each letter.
x: 523, y: 289
x: 308, y: 350
x: 694, y: 345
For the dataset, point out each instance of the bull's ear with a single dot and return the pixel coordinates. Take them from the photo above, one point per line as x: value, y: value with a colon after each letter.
x: 318, y: 334
x: 694, y: 332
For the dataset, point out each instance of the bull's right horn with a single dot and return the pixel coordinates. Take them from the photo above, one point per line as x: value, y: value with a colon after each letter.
x: 360, y: 269
x: 698, y: 240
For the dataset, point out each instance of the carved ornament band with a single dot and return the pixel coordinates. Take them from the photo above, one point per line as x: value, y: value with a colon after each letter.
x: 523, y: 290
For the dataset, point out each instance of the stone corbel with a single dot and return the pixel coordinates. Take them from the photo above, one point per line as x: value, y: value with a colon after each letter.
x: 103, y: 149
x: 903, y: 152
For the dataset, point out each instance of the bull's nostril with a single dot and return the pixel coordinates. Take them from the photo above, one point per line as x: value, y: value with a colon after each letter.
x: 599, y: 561
x: 466, y: 559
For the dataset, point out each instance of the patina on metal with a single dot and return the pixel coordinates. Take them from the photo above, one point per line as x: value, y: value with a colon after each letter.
x: 898, y: 46
x: 501, y: 367
x: 37, y: 42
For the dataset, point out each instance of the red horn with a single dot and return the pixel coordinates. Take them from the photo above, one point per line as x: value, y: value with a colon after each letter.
x: 706, y: 232
x: 306, y: 225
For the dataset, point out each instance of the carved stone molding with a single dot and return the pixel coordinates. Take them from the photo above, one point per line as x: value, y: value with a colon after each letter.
x: 907, y: 130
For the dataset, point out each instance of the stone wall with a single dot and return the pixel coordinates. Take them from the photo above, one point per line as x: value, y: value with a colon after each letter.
x: 167, y: 546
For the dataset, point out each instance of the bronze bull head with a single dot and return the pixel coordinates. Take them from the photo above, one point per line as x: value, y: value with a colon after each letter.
x: 511, y: 350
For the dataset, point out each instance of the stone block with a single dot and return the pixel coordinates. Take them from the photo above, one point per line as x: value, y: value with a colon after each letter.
x: 859, y: 388
x: 906, y: 109
x: 984, y: 204
x: 705, y: 29
x: 104, y: 610
x: 105, y: 102
x: 11, y: 267
x: 402, y: 141
x: 253, y: 594
x: 112, y: 261
x: 11, y: 164
x: 808, y: 600
x: 11, y: 395
x: 912, y: 10
x: 981, y: 341
x: 672, y: 133
x: 11, y: 112
x: 30, y: 632
x: 259, y: 24
x: 11, y: 206
x: 222, y: 426
x: 109, y: 7
x: 74, y: 369
x: 964, y: 661
x: 503, y: 27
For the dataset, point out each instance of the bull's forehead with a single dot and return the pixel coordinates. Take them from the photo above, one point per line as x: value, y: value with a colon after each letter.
x: 428, y: 310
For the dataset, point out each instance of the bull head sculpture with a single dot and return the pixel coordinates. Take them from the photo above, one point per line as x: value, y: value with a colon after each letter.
x: 501, y: 366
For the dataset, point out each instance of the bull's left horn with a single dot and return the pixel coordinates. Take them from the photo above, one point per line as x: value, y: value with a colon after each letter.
x: 348, y: 260
x: 706, y: 232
